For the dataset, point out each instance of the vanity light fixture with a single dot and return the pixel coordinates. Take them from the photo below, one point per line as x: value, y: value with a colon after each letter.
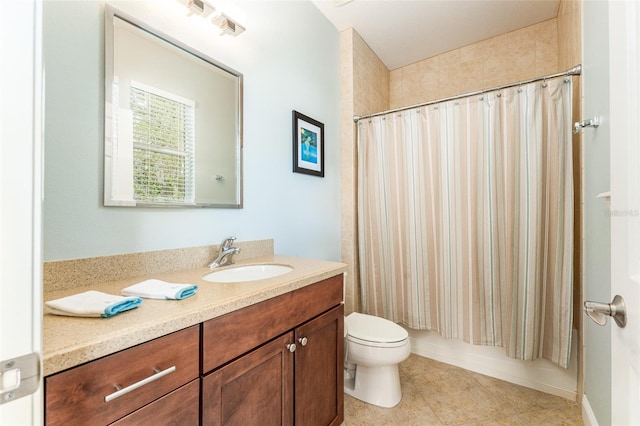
x: 227, y: 25
x: 227, y: 15
x: 196, y: 6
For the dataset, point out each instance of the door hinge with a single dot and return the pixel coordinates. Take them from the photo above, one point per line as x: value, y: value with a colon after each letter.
x: 19, y: 377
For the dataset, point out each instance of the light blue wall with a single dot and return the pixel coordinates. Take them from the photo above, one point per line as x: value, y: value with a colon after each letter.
x: 597, y: 247
x: 289, y: 56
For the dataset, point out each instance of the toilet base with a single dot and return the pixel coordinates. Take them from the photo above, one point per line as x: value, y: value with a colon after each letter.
x: 375, y: 385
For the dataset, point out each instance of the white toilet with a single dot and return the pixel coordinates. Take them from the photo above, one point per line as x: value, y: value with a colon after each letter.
x: 373, y: 349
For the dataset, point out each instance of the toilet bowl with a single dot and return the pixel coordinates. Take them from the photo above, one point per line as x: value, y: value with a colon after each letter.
x: 373, y: 349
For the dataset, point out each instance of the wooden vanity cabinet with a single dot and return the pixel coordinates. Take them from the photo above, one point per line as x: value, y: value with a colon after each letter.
x: 84, y: 395
x: 295, y: 378
x: 277, y: 362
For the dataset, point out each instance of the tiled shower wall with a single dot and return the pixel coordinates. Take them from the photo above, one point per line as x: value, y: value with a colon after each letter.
x: 364, y: 89
x: 515, y: 56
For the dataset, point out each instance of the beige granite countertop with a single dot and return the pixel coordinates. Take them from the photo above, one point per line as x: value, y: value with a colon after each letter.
x: 71, y: 341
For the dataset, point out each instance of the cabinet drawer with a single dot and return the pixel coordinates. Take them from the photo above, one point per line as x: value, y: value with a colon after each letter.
x: 180, y: 408
x: 77, y: 396
x: 233, y: 334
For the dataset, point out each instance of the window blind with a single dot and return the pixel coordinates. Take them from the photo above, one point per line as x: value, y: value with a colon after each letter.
x: 163, y: 146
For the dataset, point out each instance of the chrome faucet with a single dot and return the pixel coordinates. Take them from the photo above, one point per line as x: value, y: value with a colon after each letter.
x: 225, y: 253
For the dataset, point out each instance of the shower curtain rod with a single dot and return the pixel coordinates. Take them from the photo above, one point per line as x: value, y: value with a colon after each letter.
x: 573, y: 71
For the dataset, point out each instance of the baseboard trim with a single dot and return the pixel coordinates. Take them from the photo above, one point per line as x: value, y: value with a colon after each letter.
x: 540, y: 375
x: 588, y: 417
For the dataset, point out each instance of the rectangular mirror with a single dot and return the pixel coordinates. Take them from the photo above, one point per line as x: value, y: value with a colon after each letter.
x: 173, y: 121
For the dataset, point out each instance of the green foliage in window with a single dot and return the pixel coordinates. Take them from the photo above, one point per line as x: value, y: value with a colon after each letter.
x: 163, y: 147
x: 158, y: 177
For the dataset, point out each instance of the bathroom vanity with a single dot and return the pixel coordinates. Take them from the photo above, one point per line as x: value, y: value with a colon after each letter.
x: 261, y: 352
x: 298, y: 375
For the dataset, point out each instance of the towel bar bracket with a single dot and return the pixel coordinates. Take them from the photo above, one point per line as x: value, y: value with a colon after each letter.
x: 591, y: 122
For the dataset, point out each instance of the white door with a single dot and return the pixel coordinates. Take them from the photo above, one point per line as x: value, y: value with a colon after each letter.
x: 20, y: 209
x: 624, y: 42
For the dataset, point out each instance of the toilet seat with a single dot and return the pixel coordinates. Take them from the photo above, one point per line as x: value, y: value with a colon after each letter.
x: 377, y: 344
x: 374, y: 331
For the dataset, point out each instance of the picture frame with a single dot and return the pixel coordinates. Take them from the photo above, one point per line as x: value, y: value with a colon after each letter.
x: 308, y: 145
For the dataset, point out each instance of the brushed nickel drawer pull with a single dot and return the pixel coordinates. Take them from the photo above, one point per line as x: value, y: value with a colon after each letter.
x: 141, y: 383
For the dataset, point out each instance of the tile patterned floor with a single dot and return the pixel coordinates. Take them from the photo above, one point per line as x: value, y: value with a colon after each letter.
x: 435, y: 393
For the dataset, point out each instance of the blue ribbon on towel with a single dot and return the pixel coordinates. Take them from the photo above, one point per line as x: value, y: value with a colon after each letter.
x: 123, y: 305
x: 186, y: 292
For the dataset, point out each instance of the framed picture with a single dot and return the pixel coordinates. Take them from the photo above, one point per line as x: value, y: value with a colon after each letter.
x: 308, y: 145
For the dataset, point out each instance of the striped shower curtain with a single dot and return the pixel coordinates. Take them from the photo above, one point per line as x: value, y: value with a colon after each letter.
x: 465, y: 219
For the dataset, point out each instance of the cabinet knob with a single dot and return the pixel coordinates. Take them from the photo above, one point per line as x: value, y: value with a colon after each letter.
x: 291, y: 347
x: 303, y: 341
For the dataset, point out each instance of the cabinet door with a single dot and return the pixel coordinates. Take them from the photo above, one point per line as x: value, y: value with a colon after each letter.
x: 319, y: 374
x: 256, y: 389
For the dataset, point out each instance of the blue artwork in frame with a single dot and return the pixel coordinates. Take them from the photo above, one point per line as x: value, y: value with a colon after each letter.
x: 308, y: 145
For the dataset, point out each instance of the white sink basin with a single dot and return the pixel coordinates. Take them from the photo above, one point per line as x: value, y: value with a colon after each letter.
x: 247, y: 273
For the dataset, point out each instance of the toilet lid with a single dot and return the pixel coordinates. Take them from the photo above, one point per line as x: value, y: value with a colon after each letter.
x: 374, y: 329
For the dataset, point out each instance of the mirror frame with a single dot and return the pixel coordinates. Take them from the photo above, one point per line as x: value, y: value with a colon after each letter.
x: 109, y: 201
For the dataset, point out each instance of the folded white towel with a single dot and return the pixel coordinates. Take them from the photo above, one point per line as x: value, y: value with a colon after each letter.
x: 92, y: 304
x: 157, y: 289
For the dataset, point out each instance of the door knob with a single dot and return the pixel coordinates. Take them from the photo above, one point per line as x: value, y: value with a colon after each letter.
x: 598, y: 312
x: 303, y: 341
x: 291, y: 347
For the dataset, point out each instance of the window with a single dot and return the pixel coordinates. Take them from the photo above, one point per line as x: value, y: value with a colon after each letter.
x: 163, y: 146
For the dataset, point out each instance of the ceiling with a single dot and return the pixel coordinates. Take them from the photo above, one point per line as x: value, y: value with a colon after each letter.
x: 401, y: 32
